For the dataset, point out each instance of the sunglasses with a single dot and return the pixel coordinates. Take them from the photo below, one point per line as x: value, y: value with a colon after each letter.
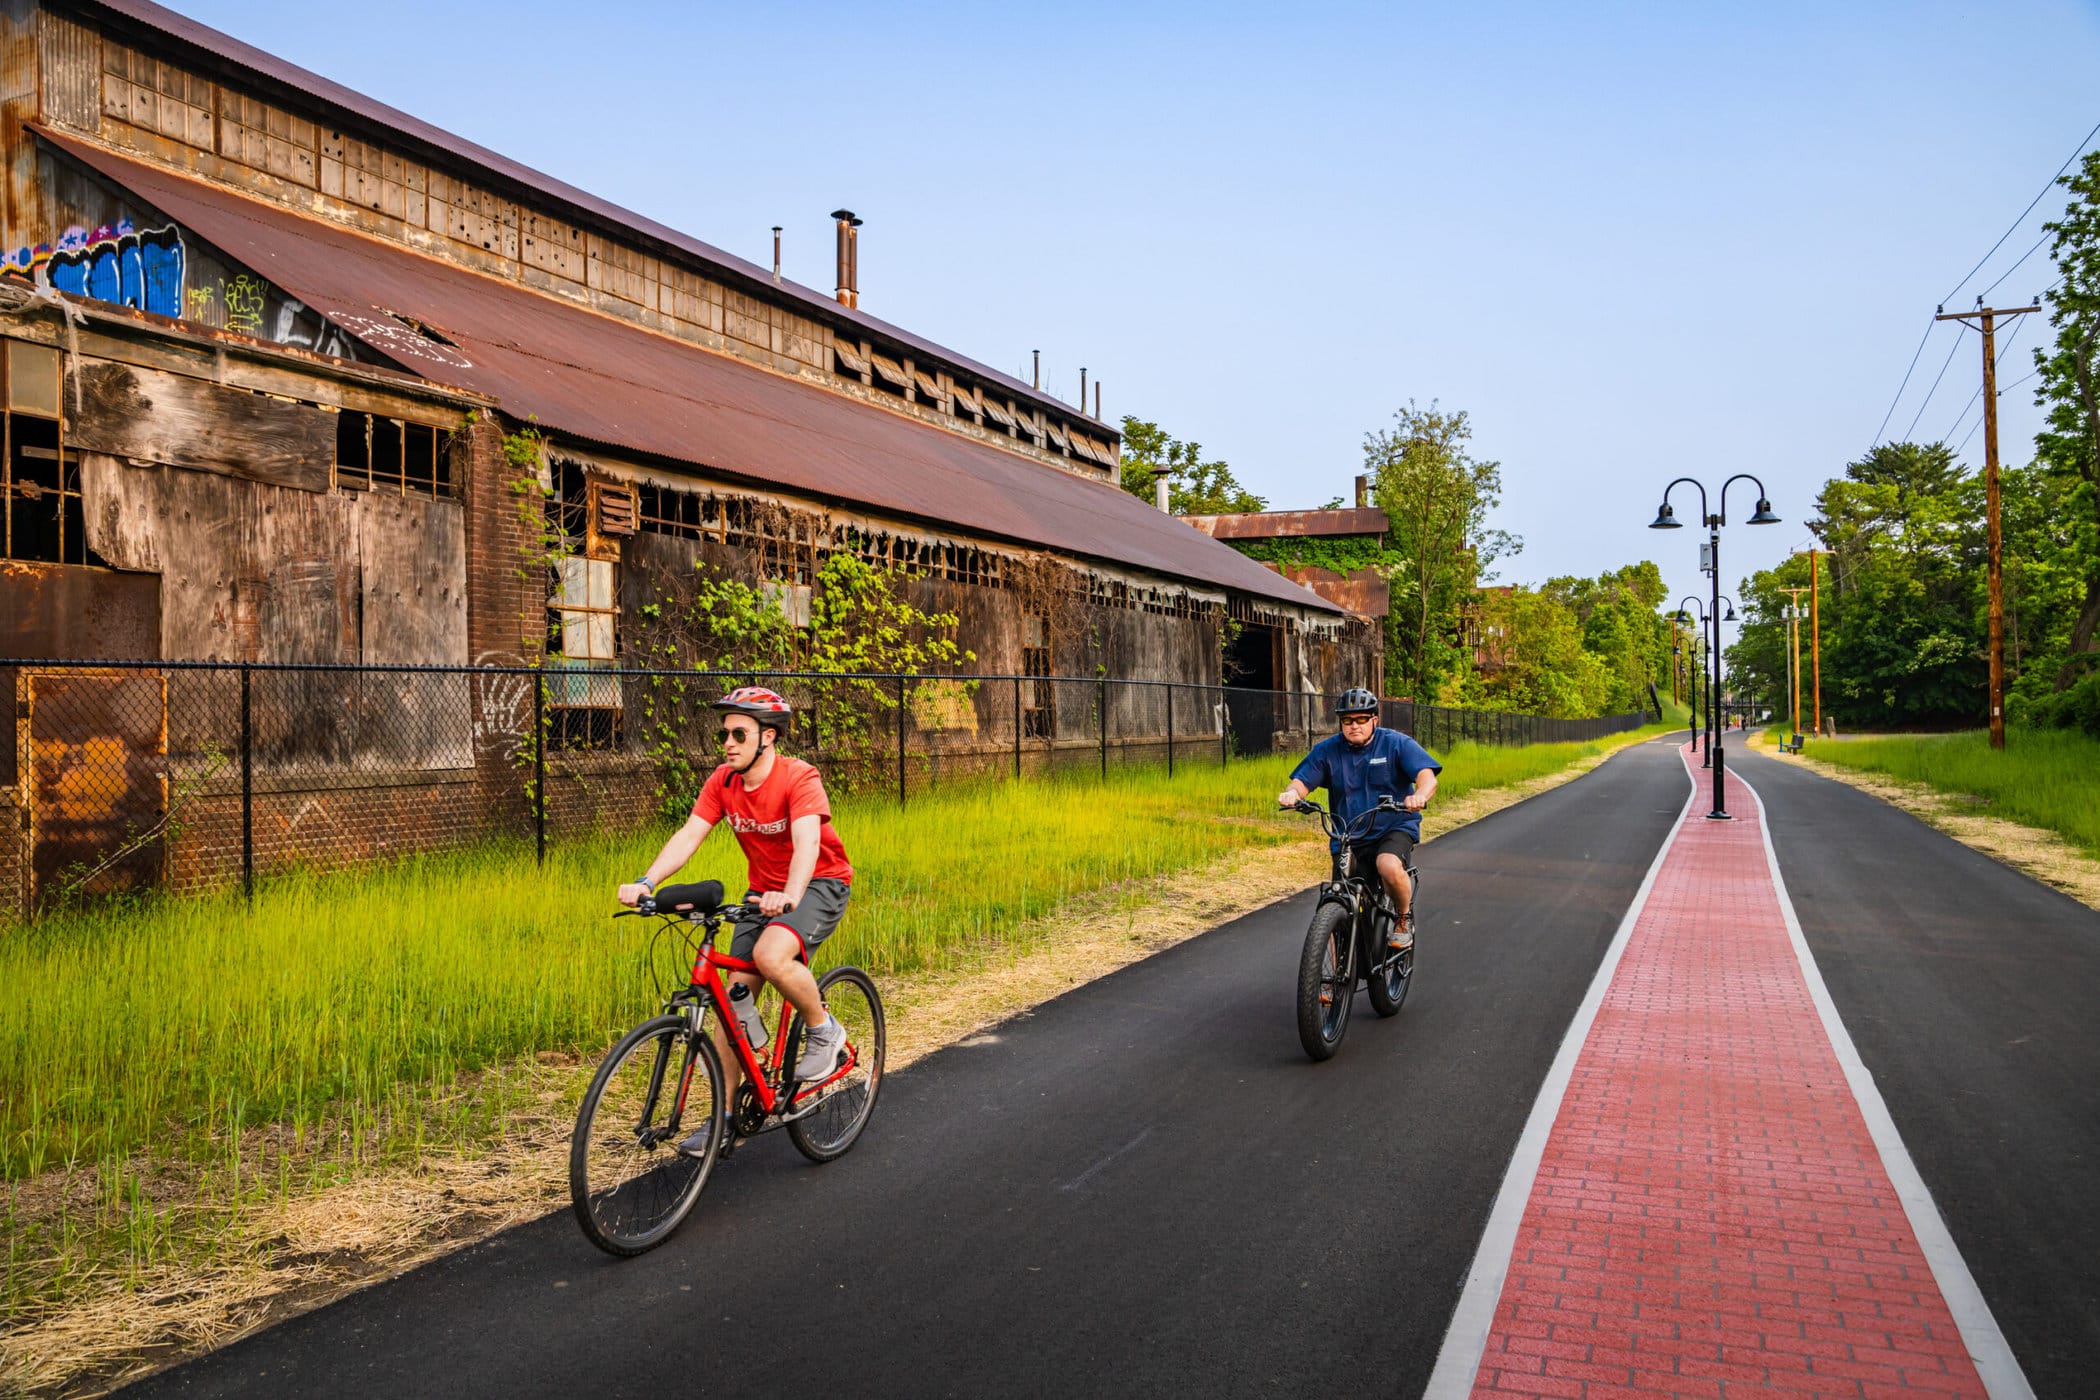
x: 741, y: 736
x: 1358, y: 719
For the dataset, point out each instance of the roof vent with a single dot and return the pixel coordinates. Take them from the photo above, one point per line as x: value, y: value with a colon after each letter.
x: 849, y: 257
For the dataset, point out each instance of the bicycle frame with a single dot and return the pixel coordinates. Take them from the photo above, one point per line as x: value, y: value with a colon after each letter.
x: 760, y: 1075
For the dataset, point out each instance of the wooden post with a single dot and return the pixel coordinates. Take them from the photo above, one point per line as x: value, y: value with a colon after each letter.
x: 900, y: 741
x: 1017, y: 726
x: 1170, y: 729
x: 1793, y: 618
x: 1987, y: 317
x: 247, y: 786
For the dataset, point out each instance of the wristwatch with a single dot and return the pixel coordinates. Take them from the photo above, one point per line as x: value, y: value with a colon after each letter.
x: 646, y: 883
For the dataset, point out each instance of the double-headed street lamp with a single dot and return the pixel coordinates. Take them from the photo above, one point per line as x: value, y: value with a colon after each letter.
x: 1666, y: 519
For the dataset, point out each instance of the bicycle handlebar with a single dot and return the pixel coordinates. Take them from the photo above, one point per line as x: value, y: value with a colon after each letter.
x: 701, y: 900
x: 1337, y: 828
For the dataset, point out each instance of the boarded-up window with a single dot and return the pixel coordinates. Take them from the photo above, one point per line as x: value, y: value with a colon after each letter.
x: 1038, y: 697
x: 392, y: 456
x: 40, y: 505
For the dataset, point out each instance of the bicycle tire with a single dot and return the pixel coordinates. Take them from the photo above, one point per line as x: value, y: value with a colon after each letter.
x: 1391, y: 975
x: 1326, y: 981
x: 629, y: 1184
x: 836, y: 1121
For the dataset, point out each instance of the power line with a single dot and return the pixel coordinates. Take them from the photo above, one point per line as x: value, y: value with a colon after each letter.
x: 1910, y: 433
x: 1904, y: 385
x: 1977, y: 397
x: 2016, y: 266
x: 2023, y: 214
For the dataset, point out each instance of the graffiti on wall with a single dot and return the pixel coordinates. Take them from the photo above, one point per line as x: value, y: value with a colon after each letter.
x: 140, y: 268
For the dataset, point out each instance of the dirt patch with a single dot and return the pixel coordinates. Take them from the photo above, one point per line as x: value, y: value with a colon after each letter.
x: 298, y: 1253
x: 2028, y: 849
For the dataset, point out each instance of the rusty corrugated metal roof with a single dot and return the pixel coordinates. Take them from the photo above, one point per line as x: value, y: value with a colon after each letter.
x: 817, y: 304
x: 1282, y: 524
x: 592, y: 376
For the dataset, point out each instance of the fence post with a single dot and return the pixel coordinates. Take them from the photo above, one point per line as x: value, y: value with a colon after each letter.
x: 247, y: 786
x: 1017, y: 726
x: 539, y: 764
x: 900, y: 741
x: 1224, y: 729
x: 1102, y: 700
x: 1170, y: 729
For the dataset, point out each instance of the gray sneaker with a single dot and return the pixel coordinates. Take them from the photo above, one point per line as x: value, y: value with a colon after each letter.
x: 1401, y: 936
x: 823, y: 1050
x: 695, y: 1142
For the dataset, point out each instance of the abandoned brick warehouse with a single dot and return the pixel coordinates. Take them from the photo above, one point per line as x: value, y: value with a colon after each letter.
x: 290, y: 376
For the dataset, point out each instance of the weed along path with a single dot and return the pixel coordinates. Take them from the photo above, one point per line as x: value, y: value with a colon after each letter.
x: 1138, y: 1187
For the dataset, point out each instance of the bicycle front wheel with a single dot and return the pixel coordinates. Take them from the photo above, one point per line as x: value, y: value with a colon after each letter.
x: 833, y: 1112
x: 629, y: 1179
x: 1326, y: 981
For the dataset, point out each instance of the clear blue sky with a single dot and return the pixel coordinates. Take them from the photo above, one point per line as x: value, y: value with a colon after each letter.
x: 1632, y: 241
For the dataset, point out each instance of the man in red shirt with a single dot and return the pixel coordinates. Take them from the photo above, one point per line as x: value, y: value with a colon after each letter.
x: 799, y: 875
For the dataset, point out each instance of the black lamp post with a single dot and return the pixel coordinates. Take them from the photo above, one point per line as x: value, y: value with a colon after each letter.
x: 1727, y: 614
x: 1666, y: 519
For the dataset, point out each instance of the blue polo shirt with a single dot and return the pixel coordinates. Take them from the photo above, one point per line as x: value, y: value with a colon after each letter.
x: 1356, y: 778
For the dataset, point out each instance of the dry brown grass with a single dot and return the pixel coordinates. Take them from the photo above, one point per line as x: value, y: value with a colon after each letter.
x: 2042, y: 854
x: 298, y: 1253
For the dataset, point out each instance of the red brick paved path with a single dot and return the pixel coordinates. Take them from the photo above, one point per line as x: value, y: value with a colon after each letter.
x: 1711, y: 1217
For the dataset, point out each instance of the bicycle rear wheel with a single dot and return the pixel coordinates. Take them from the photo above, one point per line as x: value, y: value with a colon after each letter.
x: 1391, y: 972
x: 1326, y: 981
x: 838, y: 1110
x: 628, y: 1181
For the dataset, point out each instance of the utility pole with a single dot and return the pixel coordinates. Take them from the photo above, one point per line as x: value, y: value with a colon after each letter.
x: 1815, y: 633
x: 1793, y: 619
x: 1987, y: 317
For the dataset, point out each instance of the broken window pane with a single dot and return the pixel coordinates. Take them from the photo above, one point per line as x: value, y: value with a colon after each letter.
x: 32, y: 378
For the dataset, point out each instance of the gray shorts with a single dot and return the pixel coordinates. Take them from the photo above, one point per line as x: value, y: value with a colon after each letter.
x: 813, y: 920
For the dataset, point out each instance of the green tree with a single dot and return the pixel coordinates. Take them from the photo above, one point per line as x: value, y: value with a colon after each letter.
x: 1194, y: 486
x: 1437, y: 499
x: 2068, y: 451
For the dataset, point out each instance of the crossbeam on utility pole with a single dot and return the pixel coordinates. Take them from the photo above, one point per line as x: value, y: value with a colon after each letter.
x: 1987, y: 318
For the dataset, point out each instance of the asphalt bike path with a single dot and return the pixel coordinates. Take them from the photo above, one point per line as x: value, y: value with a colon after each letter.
x: 1141, y: 1187
x: 1970, y: 990
x: 1722, y: 1199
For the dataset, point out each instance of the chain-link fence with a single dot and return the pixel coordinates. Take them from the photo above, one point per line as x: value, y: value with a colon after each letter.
x: 120, y: 775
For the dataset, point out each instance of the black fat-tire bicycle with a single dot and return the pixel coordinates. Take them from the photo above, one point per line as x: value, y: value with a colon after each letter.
x: 1345, y: 946
x: 630, y: 1180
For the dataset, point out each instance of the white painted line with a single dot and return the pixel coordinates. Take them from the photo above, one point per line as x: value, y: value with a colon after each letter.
x: 1995, y: 1364
x: 1465, y: 1341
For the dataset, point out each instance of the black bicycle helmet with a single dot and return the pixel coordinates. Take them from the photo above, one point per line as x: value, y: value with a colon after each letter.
x: 1357, y: 701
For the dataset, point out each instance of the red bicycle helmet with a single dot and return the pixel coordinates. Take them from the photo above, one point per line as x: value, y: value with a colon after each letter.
x: 768, y: 707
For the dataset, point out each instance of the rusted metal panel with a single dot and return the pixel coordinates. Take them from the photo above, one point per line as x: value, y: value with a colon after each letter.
x: 55, y: 612
x: 611, y: 382
x: 75, y: 612
x: 148, y: 416
x: 1283, y: 524
x: 1365, y: 592
x: 95, y: 745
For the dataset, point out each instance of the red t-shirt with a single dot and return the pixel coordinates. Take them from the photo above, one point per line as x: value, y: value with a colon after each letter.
x: 761, y: 816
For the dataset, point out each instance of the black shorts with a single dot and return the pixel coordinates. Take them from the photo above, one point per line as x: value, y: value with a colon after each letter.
x: 813, y: 920
x: 1364, y: 854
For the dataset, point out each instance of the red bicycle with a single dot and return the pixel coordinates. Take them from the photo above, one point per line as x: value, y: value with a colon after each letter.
x: 654, y: 1121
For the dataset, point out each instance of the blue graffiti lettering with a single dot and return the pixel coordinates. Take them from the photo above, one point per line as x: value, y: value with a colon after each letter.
x: 114, y: 264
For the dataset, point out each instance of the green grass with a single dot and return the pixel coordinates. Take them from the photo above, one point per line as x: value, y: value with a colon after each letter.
x: 367, y: 1017
x: 2048, y: 778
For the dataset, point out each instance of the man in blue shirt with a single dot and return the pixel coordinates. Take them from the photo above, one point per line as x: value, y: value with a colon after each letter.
x: 1359, y: 766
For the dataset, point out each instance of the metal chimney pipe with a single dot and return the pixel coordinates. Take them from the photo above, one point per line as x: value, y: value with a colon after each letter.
x: 848, y: 258
x: 776, y: 253
x: 1097, y: 400
x: 1082, y: 388
x: 1363, y: 492
x: 1159, y: 489
x: 1038, y: 367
